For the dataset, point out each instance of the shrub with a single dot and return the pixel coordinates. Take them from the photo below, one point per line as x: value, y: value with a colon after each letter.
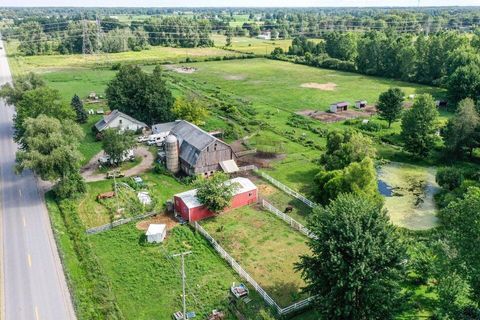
x: 449, y: 178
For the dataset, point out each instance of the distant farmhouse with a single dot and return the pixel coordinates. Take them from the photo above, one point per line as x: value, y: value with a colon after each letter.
x: 119, y: 120
x: 265, y: 35
x: 339, y: 106
x: 194, y: 151
x: 189, y: 207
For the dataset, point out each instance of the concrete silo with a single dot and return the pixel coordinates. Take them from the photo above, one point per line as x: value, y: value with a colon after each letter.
x: 171, y: 150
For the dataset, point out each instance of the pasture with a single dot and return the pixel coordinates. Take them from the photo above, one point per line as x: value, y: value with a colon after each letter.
x: 251, y: 45
x: 265, y: 246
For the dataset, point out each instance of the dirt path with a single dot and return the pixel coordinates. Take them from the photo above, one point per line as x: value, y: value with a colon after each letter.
x: 89, y: 171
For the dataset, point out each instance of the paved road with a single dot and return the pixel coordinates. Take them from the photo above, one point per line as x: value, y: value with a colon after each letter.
x: 34, y: 285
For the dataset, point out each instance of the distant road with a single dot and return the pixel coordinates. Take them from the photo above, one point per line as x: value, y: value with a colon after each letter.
x: 34, y: 286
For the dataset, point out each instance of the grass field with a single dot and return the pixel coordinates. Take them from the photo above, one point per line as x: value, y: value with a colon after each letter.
x: 146, y: 280
x: 251, y: 45
x: 265, y: 247
x: 47, y: 63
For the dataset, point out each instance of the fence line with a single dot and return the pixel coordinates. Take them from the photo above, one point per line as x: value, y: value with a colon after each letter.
x: 285, y: 217
x: 238, y: 268
x: 281, y: 186
x: 117, y: 223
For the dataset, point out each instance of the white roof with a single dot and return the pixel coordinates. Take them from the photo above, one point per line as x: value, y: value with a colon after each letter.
x: 190, y: 197
x: 155, y: 229
x: 229, y: 166
x: 144, y: 197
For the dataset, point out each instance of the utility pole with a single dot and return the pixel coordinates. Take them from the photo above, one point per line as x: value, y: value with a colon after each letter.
x: 182, y: 256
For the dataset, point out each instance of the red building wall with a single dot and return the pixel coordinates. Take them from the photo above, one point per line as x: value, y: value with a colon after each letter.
x: 199, y: 213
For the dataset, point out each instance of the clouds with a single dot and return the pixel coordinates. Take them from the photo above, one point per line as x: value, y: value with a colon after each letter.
x: 240, y: 3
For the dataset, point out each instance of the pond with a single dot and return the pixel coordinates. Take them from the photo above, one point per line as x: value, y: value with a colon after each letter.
x: 409, y: 192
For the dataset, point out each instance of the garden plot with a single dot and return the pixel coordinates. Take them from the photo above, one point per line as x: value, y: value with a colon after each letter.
x: 265, y: 246
x: 409, y: 195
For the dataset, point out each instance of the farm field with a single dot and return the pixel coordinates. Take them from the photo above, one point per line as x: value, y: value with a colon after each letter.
x: 278, y: 84
x: 265, y: 246
x: 252, y: 45
x: 47, y: 63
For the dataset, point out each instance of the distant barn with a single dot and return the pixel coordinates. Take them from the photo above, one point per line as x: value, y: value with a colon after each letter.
x: 339, y: 106
x: 360, y: 104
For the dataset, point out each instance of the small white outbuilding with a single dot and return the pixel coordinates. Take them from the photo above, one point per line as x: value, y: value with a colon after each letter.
x: 156, y: 233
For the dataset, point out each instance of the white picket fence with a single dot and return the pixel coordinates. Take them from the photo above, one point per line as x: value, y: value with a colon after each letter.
x: 279, y: 185
x: 285, y: 217
x: 238, y: 268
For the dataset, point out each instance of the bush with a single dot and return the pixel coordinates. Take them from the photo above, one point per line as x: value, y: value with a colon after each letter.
x: 449, y: 178
x: 371, y: 126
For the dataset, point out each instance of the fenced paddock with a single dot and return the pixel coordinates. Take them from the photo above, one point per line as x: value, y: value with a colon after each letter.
x: 245, y: 275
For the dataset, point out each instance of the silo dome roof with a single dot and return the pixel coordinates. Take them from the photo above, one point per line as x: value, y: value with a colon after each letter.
x: 171, y: 139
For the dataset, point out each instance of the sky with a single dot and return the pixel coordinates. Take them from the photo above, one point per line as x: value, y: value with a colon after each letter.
x: 237, y: 3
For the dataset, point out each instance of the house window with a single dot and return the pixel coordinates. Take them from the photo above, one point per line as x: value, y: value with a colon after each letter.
x: 250, y: 194
x: 120, y: 121
x: 215, y: 147
x: 207, y: 149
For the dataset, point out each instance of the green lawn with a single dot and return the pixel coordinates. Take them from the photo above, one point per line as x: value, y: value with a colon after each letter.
x: 265, y: 246
x: 146, y: 280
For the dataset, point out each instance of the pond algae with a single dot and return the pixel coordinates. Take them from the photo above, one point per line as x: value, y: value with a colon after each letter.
x: 412, y: 189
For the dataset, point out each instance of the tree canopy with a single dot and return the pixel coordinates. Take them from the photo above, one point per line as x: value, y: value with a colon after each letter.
x: 140, y: 95
x: 390, y: 105
x: 21, y: 84
x: 215, y: 192
x: 77, y: 106
x: 419, y: 126
x: 116, y: 144
x: 356, y: 260
x: 190, y: 109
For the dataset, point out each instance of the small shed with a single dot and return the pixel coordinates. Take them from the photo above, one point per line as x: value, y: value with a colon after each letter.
x: 360, y: 104
x: 156, y: 233
x: 339, y: 106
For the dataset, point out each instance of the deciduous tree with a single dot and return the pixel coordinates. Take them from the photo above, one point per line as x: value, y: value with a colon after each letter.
x: 419, y: 126
x: 356, y: 260
x: 116, y: 144
x: 215, y: 192
x: 390, y: 105
x: 190, y: 109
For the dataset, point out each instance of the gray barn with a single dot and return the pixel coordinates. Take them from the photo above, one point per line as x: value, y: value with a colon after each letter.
x: 198, y: 151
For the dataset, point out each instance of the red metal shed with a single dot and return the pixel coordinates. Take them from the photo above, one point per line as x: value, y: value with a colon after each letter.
x: 187, y: 205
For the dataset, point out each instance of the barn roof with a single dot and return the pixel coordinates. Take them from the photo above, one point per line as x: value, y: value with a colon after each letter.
x: 190, y: 197
x: 163, y: 127
x: 106, y: 120
x: 341, y: 104
x: 191, y: 140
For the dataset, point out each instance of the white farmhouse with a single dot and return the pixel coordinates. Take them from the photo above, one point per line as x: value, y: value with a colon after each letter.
x: 119, y: 120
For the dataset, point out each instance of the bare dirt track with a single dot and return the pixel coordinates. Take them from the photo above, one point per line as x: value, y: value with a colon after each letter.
x: 329, y: 86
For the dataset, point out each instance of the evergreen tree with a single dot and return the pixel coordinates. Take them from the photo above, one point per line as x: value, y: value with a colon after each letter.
x: 77, y: 106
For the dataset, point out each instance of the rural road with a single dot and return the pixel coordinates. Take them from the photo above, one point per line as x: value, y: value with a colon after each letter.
x: 32, y: 282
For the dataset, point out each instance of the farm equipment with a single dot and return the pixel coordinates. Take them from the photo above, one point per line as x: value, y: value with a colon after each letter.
x: 115, y: 173
x: 179, y: 315
x: 239, y: 291
x: 106, y: 195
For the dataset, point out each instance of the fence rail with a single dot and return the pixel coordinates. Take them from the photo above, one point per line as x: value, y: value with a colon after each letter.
x: 238, y: 268
x: 285, y: 217
x: 279, y: 185
x: 117, y: 223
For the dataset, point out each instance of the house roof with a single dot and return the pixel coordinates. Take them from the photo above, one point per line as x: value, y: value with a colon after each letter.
x: 154, y: 229
x: 163, y: 127
x: 106, y: 120
x: 190, y: 197
x: 191, y: 140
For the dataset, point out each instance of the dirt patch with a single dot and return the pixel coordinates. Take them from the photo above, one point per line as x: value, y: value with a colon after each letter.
x: 329, y: 86
x: 329, y: 117
x: 235, y: 77
x: 158, y: 219
x: 181, y: 69
x: 265, y: 189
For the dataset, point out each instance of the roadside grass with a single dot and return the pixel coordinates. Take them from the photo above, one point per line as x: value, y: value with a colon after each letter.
x: 47, y: 63
x: 146, y: 280
x: 265, y: 246
x: 94, y: 213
